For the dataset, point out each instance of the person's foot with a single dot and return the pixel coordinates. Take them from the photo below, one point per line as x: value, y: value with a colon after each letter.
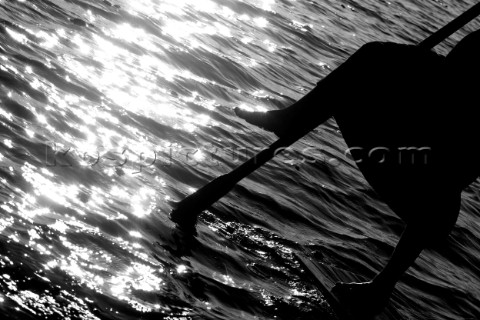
x: 273, y: 121
x: 363, y: 299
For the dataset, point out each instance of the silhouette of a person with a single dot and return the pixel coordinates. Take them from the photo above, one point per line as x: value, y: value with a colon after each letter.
x: 408, y: 116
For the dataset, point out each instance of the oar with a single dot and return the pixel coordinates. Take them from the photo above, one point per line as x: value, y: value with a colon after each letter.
x: 451, y: 27
x: 186, y: 212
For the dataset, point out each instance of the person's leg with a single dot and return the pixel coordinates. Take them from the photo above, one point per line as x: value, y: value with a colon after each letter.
x: 351, y: 81
x: 282, y: 122
x: 370, y: 298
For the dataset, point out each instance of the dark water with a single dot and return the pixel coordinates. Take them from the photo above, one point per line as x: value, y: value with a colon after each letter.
x: 109, y: 111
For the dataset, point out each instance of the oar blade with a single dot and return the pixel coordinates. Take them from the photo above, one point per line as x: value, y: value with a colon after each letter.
x: 186, y: 212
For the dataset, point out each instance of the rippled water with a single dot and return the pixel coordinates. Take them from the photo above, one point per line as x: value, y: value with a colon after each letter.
x: 110, y: 111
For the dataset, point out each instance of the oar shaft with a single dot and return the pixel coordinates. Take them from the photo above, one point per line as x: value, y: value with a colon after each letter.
x: 451, y: 27
x: 187, y: 210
